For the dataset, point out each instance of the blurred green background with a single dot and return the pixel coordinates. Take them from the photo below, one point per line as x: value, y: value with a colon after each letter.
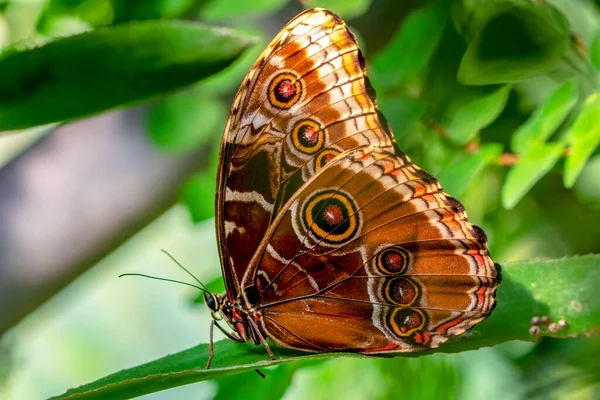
x: 496, y: 98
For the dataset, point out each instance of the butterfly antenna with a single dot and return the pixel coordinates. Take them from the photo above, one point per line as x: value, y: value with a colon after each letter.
x: 203, y: 287
x: 164, y: 279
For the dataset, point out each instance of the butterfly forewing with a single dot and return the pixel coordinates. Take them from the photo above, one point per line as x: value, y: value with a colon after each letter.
x: 330, y: 237
x: 305, y: 101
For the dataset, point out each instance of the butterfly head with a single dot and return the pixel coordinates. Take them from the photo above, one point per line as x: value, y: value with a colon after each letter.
x: 215, y: 304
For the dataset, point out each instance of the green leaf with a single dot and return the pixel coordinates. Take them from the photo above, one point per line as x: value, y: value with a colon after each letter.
x: 460, y: 174
x: 565, y: 288
x: 224, y: 10
x: 466, y: 116
x: 404, y: 115
x: 513, y: 40
x: 345, y: 9
x: 546, y: 118
x: 92, y: 72
x: 411, y: 48
x: 583, y: 137
x: 417, y: 374
x: 198, y: 194
x: 90, y: 12
x: 595, y: 51
x: 586, y: 187
x: 186, y: 120
x: 230, y: 79
x: 531, y: 167
x: 436, y: 151
x: 329, y: 379
x: 273, y: 386
x: 128, y: 10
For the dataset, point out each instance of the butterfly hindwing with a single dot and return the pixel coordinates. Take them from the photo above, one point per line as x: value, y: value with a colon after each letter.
x: 373, y: 245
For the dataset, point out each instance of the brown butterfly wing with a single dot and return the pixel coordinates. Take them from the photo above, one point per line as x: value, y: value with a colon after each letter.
x: 371, y: 255
x: 305, y: 101
x: 326, y: 228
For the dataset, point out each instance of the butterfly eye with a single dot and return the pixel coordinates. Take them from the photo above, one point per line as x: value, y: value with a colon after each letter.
x: 308, y: 137
x: 325, y: 157
x: 405, y: 321
x: 401, y: 291
x: 331, y: 216
x: 284, y: 91
x: 211, y: 302
x: 393, y: 261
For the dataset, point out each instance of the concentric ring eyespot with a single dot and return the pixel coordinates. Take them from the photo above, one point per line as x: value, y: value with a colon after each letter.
x: 308, y: 137
x: 331, y: 216
x: 325, y: 157
x: 393, y: 261
x: 405, y: 321
x: 400, y: 291
x: 284, y: 90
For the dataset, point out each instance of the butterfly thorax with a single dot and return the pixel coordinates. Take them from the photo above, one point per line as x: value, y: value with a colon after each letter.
x: 237, y: 317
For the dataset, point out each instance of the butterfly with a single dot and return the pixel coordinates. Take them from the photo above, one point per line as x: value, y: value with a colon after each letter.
x: 330, y: 238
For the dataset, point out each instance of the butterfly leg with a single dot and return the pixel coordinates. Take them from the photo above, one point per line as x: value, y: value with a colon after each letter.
x: 230, y: 335
x: 261, y: 337
x: 211, y: 352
